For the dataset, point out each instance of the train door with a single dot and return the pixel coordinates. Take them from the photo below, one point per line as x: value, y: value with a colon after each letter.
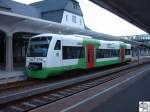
x: 90, y: 56
x: 122, y: 56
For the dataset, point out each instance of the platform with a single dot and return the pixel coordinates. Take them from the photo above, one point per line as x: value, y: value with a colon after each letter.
x: 8, y: 77
x: 141, y: 57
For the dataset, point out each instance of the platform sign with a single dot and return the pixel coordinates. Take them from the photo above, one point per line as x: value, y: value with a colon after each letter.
x: 144, y: 106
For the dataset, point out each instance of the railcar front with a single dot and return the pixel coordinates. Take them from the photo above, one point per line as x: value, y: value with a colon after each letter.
x: 36, y: 59
x: 128, y: 53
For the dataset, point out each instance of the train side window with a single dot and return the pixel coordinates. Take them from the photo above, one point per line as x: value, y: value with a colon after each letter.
x: 73, y: 52
x: 117, y: 53
x: 58, y: 45
x: 100, y: 53
x: 127, y: 52
x: 106, y: 53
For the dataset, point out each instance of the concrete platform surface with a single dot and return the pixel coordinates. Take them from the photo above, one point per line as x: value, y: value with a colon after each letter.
x: 128, y: 99
x: 8, y: 77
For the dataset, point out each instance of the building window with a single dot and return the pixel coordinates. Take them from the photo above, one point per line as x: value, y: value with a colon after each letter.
x: 75, y: 6
x: 66, y: 17
x: 80, y: 22
x: 74, y: 19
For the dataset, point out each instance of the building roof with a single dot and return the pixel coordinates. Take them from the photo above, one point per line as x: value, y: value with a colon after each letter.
x: 51, y: 10
x: 4, y: 5
x: 55, y: 5
x: 74, y: 7
x: 19, y: 8
x: 50, y: 5
x: 55, y: 16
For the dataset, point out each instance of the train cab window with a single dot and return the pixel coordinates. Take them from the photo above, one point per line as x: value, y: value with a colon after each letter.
x: 58, y: 45
x: 38, y: 46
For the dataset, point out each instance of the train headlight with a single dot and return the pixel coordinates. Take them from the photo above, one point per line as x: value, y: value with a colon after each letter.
x: 44, y: 60
x: 28, y: 60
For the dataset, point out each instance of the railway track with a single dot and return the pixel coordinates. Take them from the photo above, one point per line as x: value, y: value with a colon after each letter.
x: 15, y: 85
x: 31, y: 82
x: 29, y: 102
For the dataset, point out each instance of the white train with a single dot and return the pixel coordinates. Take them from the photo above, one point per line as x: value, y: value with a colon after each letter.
x: 51, y: 54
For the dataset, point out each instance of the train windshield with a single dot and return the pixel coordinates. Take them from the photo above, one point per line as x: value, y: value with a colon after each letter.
x: 38, y: 47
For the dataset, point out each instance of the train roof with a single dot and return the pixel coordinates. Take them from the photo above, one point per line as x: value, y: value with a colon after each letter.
x: 80, y: 37
x: 44, y: 35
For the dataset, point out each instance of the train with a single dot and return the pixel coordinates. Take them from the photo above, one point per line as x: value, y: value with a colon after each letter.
x: 52, y: 54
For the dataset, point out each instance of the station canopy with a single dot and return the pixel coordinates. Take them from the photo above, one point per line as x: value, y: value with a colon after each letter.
x: 136, y: 12
x: 20, y: 23
x: 35, y: 25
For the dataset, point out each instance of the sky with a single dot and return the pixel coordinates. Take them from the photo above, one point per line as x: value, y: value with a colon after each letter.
x: 101, y: 20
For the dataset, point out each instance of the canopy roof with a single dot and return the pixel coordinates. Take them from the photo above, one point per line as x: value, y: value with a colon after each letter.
x: 19, y: 23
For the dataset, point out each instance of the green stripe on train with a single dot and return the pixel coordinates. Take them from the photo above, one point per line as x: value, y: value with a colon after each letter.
x: 46, y: 72
x: 91, y: 41
x: 104, y: 63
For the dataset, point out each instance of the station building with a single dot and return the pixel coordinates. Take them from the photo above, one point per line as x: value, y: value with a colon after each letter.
x: 15, y: 30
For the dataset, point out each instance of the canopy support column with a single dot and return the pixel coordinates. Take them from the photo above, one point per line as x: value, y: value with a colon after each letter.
x: 9, y: 53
